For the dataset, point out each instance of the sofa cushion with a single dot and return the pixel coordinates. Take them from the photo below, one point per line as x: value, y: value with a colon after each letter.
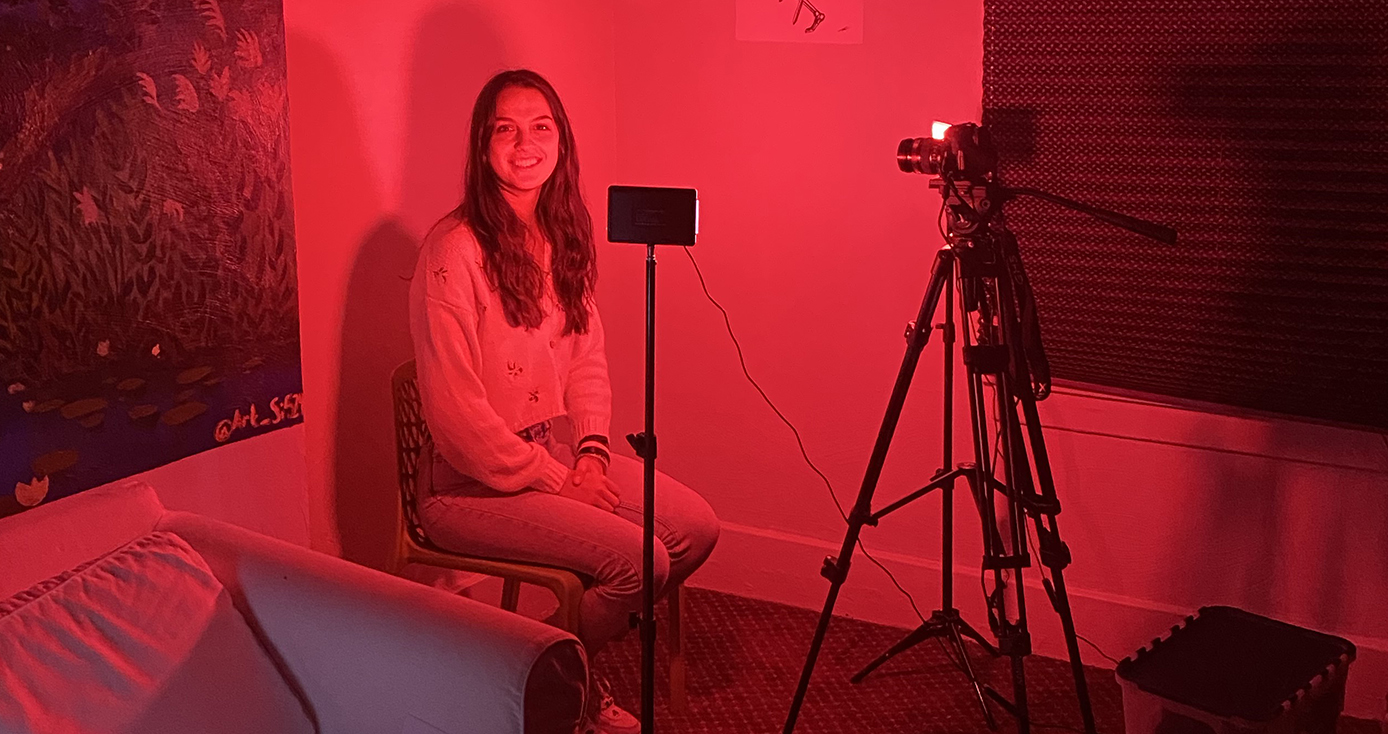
x: 55, y: 536
x: 143, y: 639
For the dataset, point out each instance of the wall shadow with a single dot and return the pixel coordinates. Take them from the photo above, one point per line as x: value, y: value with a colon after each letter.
x: 335, y: 197
x: 454, y: 51
x: 375, y: 339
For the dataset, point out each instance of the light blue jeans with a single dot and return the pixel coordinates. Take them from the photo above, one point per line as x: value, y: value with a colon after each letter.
x: 464, y: 515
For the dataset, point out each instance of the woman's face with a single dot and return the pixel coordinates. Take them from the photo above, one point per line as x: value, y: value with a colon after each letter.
x: 525, y: 140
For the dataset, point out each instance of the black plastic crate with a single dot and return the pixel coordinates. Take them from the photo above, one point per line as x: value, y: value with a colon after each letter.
x: 1225, y: 670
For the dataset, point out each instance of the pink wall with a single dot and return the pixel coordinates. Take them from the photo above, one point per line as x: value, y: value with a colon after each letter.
x: 257, y: 483
x: 820, y: 251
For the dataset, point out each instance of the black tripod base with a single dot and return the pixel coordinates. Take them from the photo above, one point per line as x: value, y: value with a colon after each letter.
x: 949, y: 625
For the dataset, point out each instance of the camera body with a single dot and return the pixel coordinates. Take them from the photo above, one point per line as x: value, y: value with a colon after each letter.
x: 962, y: 152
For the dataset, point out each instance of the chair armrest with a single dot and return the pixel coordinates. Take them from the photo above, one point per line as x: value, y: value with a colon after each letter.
x: 564, y: 584
x: 368, y: 651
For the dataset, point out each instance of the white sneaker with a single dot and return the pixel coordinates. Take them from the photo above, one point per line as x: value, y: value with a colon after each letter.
x: 607, y: 716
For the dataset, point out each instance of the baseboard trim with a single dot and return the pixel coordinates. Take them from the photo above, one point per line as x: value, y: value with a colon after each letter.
x: 783, y: 567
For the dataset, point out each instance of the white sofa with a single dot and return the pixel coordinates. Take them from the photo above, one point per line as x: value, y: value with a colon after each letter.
x: 357, y: 650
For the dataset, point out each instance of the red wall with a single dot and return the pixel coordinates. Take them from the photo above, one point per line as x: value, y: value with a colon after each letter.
x: 257, y: 483
x: 820, y: 250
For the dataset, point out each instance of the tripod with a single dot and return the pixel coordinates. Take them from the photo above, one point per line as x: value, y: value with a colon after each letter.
x: 980, y: 258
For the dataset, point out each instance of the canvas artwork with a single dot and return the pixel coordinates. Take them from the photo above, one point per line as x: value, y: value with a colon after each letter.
x: 148, y: 291
x: 800, y: 21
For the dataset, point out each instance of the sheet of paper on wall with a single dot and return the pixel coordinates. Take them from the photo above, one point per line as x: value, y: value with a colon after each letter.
x: 800, y: 21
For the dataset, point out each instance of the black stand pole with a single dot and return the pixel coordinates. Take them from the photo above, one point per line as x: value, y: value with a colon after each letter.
x: 645, y: 445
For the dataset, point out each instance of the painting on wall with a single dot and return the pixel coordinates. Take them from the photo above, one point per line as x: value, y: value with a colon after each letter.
x: 148, y: 289
x: 800, y: 21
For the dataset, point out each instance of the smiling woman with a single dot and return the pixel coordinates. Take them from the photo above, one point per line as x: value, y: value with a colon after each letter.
x: 522, y: 200
x: 524, y: 148
x: 513, y: 380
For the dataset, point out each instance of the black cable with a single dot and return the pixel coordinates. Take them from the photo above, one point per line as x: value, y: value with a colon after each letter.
x: 1097, y: 649
x: 742, y: 360
x: 895, y: 583
x: 727, y: 322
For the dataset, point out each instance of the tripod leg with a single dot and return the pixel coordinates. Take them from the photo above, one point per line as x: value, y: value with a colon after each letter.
x: 973, y: 677
x: 836, y: 569
x: 1003, y: 544
x: 1019, y: 481
x: 951, y: 627
x: 803, y: 686
x: 973, y: 634
x: 921, y: 634
x: 1054, y: 554
x: 1019, y: 694
x: 1067, y: 621
x: 648, y: 454
x: 981, y: 487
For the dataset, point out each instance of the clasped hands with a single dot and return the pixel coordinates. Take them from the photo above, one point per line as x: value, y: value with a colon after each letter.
x: 588, y: 483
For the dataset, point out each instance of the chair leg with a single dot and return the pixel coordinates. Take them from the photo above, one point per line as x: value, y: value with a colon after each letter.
x: 510, y: 594
x: 566, y: 616
x: 679, y: 696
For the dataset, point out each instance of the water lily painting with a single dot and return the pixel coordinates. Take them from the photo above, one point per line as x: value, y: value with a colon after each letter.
x: 148, y: 293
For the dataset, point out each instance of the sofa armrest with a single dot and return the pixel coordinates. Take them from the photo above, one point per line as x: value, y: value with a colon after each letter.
x: 55, y: 536
x: 370, y: 652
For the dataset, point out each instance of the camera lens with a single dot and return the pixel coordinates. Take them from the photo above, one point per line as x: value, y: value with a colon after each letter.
x: 919, y: 155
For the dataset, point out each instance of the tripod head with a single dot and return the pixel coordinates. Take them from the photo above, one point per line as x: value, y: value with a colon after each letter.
x: 964, y: 162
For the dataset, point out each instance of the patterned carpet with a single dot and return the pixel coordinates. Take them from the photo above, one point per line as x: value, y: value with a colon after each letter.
x: 745, y: 657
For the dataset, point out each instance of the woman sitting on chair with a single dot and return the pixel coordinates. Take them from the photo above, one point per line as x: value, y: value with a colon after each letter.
x: 513, y: 379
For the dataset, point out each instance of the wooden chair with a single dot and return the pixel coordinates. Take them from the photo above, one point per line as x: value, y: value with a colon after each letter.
x: 413, y: 546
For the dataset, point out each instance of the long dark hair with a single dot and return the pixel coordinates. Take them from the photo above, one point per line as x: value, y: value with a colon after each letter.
x: 562, y: 216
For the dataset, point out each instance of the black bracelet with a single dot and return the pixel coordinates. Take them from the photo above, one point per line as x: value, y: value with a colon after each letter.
x: 596, y: 451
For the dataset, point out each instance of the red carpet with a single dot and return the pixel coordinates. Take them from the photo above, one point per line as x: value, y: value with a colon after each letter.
x: 745, y: 656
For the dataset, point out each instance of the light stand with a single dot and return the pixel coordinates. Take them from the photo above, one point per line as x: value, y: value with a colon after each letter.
x: 650, y: 216
x: 645, y: 445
